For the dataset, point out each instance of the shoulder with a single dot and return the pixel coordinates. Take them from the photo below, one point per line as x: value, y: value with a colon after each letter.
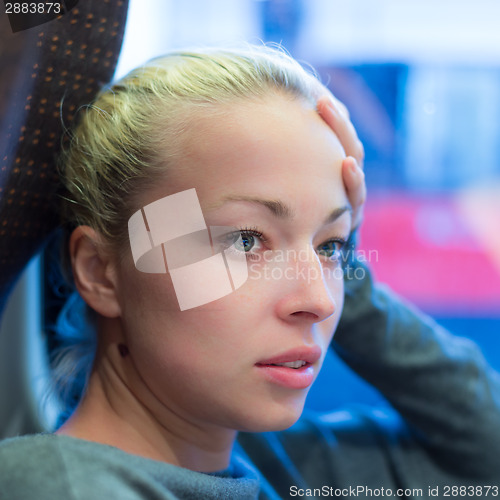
x: 27, y: 463
x: 48, y: 466
x: 26, y: 451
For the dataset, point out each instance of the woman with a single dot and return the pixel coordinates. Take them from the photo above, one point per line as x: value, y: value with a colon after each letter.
x: 193, y: 377
x: 221, y: 151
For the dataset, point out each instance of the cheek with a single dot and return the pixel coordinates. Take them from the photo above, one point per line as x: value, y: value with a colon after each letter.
x: 146, y: 301
x: 153, y: 322
x: 335, y: 286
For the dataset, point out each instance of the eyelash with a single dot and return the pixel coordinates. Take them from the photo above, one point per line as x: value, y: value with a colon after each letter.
x: 254, y: 231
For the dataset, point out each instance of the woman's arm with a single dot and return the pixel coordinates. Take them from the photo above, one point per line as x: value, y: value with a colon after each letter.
x: 440, y: 384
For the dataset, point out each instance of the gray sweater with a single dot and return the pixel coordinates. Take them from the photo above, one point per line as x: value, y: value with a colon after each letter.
x: 444, y: 430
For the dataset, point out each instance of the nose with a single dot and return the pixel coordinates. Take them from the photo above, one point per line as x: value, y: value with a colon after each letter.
x: 310, y: 292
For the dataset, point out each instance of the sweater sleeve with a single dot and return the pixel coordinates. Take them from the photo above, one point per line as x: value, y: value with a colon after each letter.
x: 441, y: 385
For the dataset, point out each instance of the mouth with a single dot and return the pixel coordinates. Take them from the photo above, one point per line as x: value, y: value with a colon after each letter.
x: 295, y: 358
x: 290, y: 364
x: 293, y: 369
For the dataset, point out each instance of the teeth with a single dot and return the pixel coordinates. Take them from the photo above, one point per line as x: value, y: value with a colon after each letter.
x: 292, y: 364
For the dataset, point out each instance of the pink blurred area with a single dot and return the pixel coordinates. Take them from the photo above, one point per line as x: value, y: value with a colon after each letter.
x: 435, y: 251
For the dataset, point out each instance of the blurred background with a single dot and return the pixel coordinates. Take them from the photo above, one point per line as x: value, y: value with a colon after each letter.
x: 422, y: 82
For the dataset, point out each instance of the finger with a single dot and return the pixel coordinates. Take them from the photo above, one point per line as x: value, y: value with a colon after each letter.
x: 343, y: 128
x: 324, y: 94
x: 339, y: 105
x: 354, y: 181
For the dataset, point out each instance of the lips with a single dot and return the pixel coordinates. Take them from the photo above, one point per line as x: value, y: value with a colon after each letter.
x: 292, y: 369
x: 308, y: 354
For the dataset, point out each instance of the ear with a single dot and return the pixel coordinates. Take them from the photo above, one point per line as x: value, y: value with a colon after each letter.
x: 93, y: 272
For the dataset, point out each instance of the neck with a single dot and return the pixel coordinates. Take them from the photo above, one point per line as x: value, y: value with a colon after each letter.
x: 111, y: 412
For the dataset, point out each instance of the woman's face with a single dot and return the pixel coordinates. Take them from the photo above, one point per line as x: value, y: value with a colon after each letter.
x: 270, y: 167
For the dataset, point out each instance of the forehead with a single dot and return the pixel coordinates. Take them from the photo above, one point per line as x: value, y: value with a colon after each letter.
x: 275, y: 146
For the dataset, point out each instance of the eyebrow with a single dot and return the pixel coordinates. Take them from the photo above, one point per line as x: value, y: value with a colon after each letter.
x: 280, y: 209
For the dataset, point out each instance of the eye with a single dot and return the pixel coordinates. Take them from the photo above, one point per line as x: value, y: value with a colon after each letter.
x: 244, y: 240
x: 246, y: 243
x: 332, y: 249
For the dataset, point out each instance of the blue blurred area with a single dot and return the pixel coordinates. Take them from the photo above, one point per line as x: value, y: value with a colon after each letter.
x: 484, y: 331
x: 424, y: 128
x: 337, y: 386
x: 343, y: 388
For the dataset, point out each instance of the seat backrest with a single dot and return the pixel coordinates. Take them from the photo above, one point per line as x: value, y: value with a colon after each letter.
x: 46, y: 74
x: 50, y: 71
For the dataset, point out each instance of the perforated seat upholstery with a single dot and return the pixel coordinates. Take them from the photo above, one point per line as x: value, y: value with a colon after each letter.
x: 47, y: 73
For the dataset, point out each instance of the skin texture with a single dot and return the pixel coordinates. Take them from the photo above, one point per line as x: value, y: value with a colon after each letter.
x: 187, y: 381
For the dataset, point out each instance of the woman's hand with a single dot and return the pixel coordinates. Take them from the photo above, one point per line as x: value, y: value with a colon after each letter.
x: 336, y: 116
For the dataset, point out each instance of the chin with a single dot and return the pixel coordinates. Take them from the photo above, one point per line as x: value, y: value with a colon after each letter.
x: 273, y: 417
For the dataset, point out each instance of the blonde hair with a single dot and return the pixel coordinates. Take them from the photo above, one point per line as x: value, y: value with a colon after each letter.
x: 126, y: 139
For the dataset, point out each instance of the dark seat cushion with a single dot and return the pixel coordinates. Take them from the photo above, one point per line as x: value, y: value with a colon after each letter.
x: 47, y: 73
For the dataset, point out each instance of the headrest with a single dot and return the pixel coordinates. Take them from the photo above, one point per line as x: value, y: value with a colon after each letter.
x: 47, y: 73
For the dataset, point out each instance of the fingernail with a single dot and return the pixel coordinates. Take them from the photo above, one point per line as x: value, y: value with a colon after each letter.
x: 353, y: 167
x: 328, y: 102
x: 332, y: 106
